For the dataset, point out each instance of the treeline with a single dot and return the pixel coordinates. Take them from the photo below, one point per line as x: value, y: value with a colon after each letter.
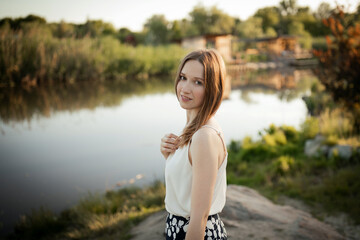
x: 33, y: 50
x: 285, y: 18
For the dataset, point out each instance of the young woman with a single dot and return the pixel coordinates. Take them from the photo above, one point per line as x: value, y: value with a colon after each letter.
x: 195, y: 168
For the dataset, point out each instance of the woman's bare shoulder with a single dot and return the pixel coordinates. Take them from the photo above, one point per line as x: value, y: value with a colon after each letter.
x: 205, y: 137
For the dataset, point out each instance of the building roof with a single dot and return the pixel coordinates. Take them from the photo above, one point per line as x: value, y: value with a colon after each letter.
x: 207, y: 35
x: 265, y: 39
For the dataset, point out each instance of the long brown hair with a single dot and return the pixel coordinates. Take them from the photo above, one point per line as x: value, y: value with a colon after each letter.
x: 214, y: 80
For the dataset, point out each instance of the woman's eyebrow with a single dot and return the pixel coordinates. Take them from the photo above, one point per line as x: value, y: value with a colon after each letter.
x: 193, y: 77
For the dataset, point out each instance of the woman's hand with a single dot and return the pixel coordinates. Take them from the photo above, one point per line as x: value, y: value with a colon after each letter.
x: 169, y: 144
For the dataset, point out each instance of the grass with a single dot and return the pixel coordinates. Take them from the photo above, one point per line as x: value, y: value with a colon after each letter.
x: 96, y: 216
x: 33, y: 56
x: 276, y: 165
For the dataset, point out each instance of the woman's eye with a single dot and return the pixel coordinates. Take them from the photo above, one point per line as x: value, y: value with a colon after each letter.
x: 198, y: 83
x: 182, y: 78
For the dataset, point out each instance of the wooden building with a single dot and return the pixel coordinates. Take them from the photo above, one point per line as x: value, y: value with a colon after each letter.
x: 274, y: 46
x: 221, y: 42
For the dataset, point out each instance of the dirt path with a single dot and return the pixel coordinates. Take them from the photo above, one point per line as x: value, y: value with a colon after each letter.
x: 249, y: 215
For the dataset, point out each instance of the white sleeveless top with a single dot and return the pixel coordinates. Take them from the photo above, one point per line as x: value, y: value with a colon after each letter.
x: 178, y: 181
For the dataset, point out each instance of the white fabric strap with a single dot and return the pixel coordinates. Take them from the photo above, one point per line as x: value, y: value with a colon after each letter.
x: 219, y: 133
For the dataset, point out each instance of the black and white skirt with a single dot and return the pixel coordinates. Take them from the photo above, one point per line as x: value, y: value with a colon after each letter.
x: 176, y: 227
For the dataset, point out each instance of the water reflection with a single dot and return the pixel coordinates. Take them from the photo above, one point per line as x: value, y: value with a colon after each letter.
x: 19, y: 104
x: 286, y: 83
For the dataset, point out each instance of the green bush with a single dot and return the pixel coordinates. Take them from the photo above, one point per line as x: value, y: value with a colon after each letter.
x: 269, y: 140
x: 280, y: 137
x: 109, y: 215
x: 310, y: 128
x: 290, y: 132
x: 283, y: 165
x: 33, y: 54
x: 281, y: 168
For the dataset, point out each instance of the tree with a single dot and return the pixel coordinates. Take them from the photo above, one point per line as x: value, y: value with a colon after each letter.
x: 17, y: 23
x: 188, y: 28
x: 323, y: 11
x: 156, y: 30
x: 270, y: 17
x: 340, y: 64
x: 123, y: 33
x: 94, y: 28
x: 297, y: 29
x: 288, y: 7
x: 63, y: 30
x: 175, y: 31
x: 199, y: 17
x: 211, y: 20
x: 251, y: 28
x: 220, y: 22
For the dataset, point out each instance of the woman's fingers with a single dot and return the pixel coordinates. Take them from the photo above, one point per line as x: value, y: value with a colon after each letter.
x: 168, y: 150
x: 170, y: 138
x: 169, y: 144
x: 171, y: 135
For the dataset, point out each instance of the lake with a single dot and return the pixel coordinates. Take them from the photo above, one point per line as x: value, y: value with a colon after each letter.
x: 58, y: 143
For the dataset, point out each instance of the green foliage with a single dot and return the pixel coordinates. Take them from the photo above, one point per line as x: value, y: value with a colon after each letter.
x: 125, y: 35
x: 34, y: 55
x: 211, y: 20
x: 247, y: 141
x: 310, y: 128
x: 283, y: 165
x: 251, y: 28
x: 288, y: 7
x: 269, y: 140
x: 270, y: 17
x: 297, y: 28
x: 38, y: 224
x: 339, y: 191
x: 107, y: 215
x: 276, y: 135
x: 175, y: 33
x: 270, y: 32
x: 234, y: 146
x: 156, y: 28
x: 337, y: 123
x: 318, y: 100
x: 331, y: 140
x: 284, y: 169
x: 290, y: 132
x: 256, y: 58
x: 319, y: 43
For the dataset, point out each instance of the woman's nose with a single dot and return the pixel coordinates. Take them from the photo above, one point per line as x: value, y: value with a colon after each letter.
x: 186, y: 88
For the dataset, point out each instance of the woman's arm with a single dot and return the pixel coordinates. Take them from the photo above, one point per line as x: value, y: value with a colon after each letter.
x: 204, y: 153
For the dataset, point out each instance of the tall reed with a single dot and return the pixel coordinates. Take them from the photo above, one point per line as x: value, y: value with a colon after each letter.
x: 32, y: 55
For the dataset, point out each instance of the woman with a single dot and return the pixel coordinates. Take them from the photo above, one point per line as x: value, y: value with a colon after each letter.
x: 195, y: 169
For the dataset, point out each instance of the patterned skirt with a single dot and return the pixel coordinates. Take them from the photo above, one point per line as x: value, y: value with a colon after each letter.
x: 176, y: 227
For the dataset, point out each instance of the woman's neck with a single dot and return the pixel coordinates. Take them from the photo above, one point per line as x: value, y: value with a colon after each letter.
x: 190, y: 115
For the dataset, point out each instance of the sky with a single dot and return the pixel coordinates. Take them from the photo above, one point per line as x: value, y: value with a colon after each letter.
x: 134, y: 13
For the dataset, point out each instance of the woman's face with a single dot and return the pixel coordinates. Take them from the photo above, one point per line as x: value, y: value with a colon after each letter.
x: 190, y: 88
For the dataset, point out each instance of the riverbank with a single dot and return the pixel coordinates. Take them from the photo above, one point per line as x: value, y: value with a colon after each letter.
x: 95, y: 216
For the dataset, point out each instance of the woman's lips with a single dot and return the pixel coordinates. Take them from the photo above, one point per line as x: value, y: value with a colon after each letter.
x: 185, y: 99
